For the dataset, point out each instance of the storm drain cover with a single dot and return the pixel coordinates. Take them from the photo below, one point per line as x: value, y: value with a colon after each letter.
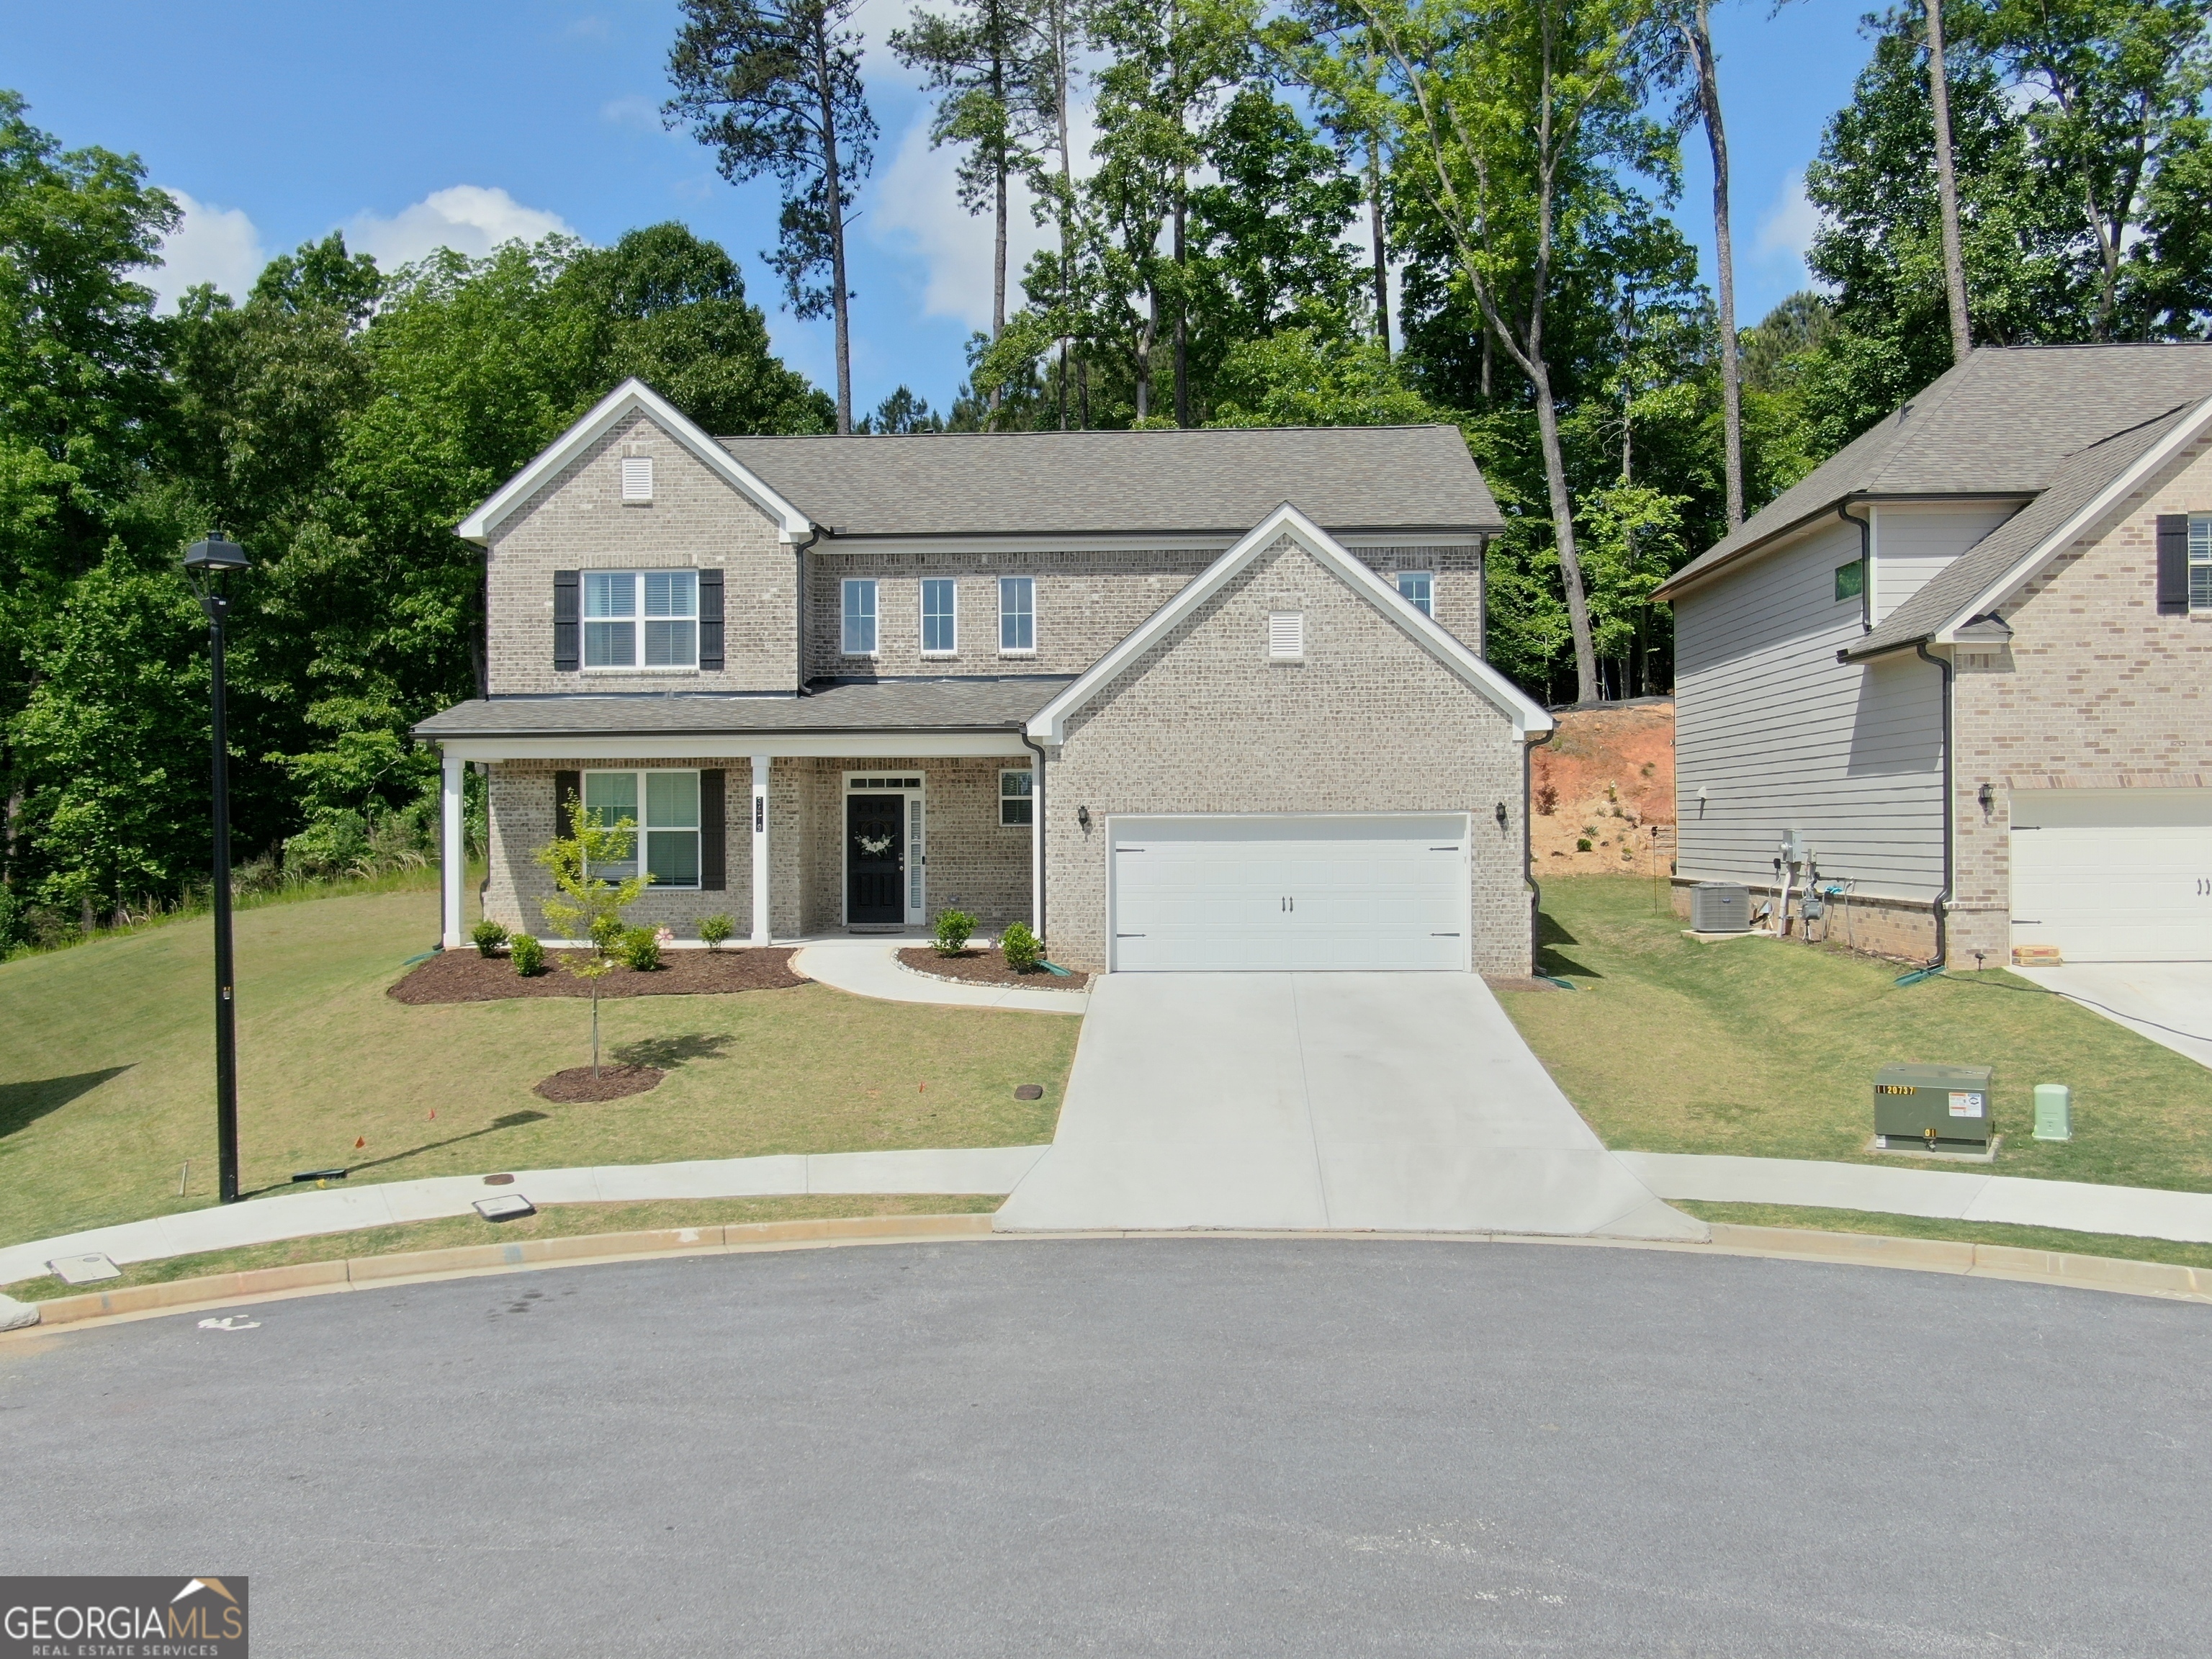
x: 84, y: 1269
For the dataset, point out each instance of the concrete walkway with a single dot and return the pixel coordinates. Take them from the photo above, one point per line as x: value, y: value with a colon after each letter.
x: 2168, y: 1002
x: 2074, y: 1206
x: 868, y: 966
x: 1384, y: 1101
x: 341, y: 1209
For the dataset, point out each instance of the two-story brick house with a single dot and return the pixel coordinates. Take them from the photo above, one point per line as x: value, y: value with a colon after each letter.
x: 1182, y: 700
x: 1963, y: 670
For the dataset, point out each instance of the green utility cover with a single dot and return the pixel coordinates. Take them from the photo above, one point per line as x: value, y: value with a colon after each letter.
x: 1952, y: 1100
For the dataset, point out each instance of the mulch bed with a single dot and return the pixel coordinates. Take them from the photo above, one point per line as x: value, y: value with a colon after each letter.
x: 577, y: 1083
x: 462, y: 975
x: 977, y: 967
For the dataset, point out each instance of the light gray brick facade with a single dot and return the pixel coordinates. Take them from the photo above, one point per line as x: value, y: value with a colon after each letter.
x: 1368, y: 721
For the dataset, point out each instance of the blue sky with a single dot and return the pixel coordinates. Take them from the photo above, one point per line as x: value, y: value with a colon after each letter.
x: 408, y: 124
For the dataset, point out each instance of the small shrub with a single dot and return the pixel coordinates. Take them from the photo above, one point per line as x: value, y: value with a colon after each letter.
x: 715, y: 930
x: 1581, y: 843
x: 954, y: 928
x: 1023, y: 949
x: 1547, y: 799
x: 488, y: 936
x: 527, y: 955
x: 640, y: 950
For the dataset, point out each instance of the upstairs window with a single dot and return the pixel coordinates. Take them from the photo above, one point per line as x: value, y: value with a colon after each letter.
x: 665, y: 808
x: 641, y: 618
x: 940, y: 618
x: 1850, y: 580
x: 2200, y: 562
x: 1017, y: 613
x: 1016, y: 798
x: 859, y: 638
x: 637, y: 479
x: 1420, y: 588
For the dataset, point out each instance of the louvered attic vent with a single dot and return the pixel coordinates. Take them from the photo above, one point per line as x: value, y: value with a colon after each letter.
x: 637, y: 477
x: 1286, y: 633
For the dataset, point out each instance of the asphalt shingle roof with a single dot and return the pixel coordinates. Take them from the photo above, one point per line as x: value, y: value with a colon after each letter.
x: 857, y: 705
x: 2009, y: 421
x: 1349, y: 479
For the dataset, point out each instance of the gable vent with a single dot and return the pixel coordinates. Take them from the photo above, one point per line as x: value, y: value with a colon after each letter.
x: 637, y: 477
x: 1286, y: 633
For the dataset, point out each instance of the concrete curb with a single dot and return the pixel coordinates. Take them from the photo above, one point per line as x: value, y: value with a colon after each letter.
x: 2164, y: 1280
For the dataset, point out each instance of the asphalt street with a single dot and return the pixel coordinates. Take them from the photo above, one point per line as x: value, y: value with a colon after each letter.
x: 1148, y: 1447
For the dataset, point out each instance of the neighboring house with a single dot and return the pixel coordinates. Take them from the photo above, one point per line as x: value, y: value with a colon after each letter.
x: 1968, y: 663
x: 1181, y: 700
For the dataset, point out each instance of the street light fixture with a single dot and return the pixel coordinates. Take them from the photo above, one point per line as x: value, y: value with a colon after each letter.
x: 206, y: 562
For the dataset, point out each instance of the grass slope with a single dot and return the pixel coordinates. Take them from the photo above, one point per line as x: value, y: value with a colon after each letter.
x: 107, y: 1069
x: 1768, y: 1049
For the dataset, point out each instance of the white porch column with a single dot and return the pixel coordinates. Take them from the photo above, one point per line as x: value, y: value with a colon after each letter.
x: 760, y: 850
x: 453, y: 859
x: 1037, y: 846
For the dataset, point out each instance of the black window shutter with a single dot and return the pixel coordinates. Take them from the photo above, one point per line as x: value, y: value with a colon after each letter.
x: 2172, y: 563
x: 566, y: 652
x: 710, y: 621
x: 567, y: 786
x: 714, y: 840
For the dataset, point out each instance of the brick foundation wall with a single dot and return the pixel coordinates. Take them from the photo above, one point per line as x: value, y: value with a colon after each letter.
x: 579, y: 522
x: 1367, y: 722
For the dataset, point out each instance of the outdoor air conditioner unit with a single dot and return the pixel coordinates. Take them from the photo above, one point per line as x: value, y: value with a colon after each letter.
x: 1720, y: 907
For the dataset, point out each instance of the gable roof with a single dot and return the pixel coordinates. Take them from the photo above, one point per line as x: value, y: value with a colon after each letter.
x: 631, y: 397
x: 2005, y: 422
x: 2084, y: 486
x: 1049, y: 723
x: 1396, y: 479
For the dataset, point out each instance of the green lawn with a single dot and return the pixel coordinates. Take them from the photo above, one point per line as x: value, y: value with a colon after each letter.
x: 107, y: 1069
x: 1768, y: 1048
x: 2057, y: 1239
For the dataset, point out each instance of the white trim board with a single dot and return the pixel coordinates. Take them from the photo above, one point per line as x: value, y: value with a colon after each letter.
x: 855, y: 745
x: 632, y: 397
x: 1049, y: 724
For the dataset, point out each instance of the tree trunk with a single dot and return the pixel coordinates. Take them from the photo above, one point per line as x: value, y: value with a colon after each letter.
x: 595, y: 1028
x: 1182, y: 309
x: 835, y: 207
x: 1947, y: 188
x: 1067, y: 194
x: 1709, y: 98
x: 1145, y: 337
x: 999, y: 248
x: 1382, y: 248
x: 1563, y: 532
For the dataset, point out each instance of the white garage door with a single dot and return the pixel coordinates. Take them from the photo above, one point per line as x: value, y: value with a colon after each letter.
x: 1314, y: 893
x: 2113, y: 875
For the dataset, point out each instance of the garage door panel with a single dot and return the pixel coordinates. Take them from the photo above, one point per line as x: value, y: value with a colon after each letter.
x: 2114, y: 875
x: 1307, y: 893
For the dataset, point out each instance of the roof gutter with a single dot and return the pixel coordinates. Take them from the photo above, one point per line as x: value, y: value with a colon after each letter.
x: 1943, y: 897
x: 1866, y: 564
x: 1528, y: 746
x: 798, y: 591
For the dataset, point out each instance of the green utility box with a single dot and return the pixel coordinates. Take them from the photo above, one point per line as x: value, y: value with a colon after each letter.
x: 1943, y: 1107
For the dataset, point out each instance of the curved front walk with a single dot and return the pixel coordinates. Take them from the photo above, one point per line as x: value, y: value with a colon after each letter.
x: 341, y: 1209
x: 1384, y: 1101
x: 868, y: 966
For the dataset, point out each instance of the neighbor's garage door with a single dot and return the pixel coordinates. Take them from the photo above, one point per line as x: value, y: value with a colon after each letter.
x: 2113, y: 875
x: 1227, y: 893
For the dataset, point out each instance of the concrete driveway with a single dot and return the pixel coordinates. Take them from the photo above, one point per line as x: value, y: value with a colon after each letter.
x: 1383, y: 1101
x: 2168, y: 1002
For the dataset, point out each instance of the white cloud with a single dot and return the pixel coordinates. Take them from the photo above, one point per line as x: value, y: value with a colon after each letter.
x: 915, y: 207
x: 467, y: 218
x: 1787, y: 228
x: 636, y: 111
x: 213, y: 245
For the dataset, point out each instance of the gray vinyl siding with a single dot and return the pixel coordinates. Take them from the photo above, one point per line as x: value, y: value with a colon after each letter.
x: 1913, y: 543
x: 1781, y: 736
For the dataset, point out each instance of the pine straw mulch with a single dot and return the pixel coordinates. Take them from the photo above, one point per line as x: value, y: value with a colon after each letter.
x: 979, y: 967
x: 462, y: 975
x: 577, y: 1083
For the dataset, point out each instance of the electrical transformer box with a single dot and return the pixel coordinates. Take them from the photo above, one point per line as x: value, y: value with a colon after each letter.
x: 1933, y: 1105
x: 1720, y: 907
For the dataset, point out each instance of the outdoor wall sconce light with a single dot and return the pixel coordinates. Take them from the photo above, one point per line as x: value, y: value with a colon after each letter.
x: 1501, y: 815
x: 1083, y: 817
x: 1988, y: 798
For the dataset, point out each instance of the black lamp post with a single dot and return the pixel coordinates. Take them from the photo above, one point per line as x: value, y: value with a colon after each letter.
x: 206, y: 562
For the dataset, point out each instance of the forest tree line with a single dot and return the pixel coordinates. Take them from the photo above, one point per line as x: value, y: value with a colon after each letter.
x: 1320, y: 212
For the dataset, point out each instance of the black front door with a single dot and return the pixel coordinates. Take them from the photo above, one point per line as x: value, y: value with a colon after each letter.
x: 875, y: 860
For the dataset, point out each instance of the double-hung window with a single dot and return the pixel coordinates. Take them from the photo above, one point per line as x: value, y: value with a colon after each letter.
x: 940, y: 618
x: 641, y: 618
x: 1017, y: 613
x: 665, y: 808
x: 2200, y: 562
x: 1017, y: 797
x: 1420, y: 588
x: 859, y: 636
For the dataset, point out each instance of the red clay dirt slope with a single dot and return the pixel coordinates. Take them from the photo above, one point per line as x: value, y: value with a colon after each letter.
x: 1607, y: 777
